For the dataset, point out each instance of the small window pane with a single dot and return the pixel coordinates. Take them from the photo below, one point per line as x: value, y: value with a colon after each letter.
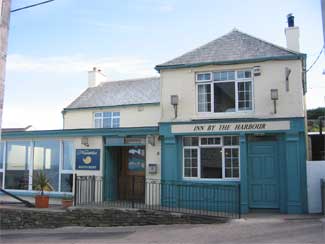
x: 240, y: 74
x: 98, y: 115
x: 248, y: 74
x: 231, y: 75
x: 116, y: 114
x: 1, y: 179
x: 107, y: 123
x: 107, y: 114
x: 216, y: 76
x: 98, y: 123
x: 204, y: 77
x: 223, y: 76
x: 67, y: 155
x: 66, y: 182
x: 191, y: 141
x: 230, y: 140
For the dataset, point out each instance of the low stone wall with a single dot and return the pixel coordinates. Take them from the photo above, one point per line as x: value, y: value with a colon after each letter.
x: 19, y: 218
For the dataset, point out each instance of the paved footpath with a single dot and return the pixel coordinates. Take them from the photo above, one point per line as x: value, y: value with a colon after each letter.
x: 254, y: 229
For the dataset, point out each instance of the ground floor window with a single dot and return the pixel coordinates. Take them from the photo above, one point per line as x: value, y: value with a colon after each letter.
x: 22, y: 161
x: 212, y: 157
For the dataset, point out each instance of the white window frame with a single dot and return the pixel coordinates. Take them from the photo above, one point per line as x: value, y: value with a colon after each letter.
x: 2, y: 170
x: 222, y: 146
x: 101, y: 117
x: 30, y: 162
x: 236, y: 81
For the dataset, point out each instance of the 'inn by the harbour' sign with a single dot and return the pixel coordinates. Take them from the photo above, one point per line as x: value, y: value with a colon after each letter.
x: 231, y: 127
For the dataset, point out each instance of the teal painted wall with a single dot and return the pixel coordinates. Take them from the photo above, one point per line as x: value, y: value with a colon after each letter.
x: 292, y: 163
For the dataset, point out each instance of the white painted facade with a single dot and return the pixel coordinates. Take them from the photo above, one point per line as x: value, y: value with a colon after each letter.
x: 130, y: 116
x: 181, y: 82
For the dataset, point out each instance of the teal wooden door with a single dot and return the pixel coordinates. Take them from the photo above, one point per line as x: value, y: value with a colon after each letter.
x: 263, y: 173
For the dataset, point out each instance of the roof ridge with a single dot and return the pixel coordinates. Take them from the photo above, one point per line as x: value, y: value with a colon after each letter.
x: 262, y: 40
x: 132, y: 79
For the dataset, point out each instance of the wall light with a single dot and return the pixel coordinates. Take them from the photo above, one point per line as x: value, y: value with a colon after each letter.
x: 84, y: 141
x: 174, y: 102
x: 274, y: 97
x: 287, y: 74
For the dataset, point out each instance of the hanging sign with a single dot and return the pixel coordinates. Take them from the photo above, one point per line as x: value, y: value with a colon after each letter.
x: 231, y: 127
x: 87, y: 159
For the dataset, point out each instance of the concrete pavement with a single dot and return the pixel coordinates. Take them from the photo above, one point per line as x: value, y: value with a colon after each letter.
x: 251, y: 229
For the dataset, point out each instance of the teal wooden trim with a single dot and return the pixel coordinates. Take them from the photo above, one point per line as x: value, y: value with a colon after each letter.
x: 152, y: 130
x: 241, y: 61
x: 108, y: 107
x: 244, y: 181
x: 293, y: 179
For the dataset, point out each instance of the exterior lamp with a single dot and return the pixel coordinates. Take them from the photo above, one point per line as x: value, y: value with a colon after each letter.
x: 287, y: 74
x: 174, y: 102
x: 274, y: 97
x: 84, y: 141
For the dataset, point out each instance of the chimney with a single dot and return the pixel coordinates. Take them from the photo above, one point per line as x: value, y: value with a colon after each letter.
x: 95, y: 77
x: 292, y: 34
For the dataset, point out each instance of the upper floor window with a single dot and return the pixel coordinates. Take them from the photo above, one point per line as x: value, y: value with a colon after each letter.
x: 107, y: 119
x: 225, y: 91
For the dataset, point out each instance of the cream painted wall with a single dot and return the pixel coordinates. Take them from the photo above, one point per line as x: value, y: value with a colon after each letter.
x: 130, y: 116
x: 182, y: 83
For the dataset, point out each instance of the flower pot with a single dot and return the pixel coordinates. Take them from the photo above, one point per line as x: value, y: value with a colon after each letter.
x: 66, y: 203
x: 41, y: 201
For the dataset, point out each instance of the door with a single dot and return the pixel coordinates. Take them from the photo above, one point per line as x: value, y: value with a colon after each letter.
x: 132, y: 173
x: 263, y: 174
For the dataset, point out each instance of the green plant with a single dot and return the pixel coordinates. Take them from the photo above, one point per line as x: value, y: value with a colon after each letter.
x: 41, y: 182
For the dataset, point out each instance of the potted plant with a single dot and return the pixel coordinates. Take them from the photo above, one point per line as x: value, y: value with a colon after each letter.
x: 41, y: 182
x: 67, y: 201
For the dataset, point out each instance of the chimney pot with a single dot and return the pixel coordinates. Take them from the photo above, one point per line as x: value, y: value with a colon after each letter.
x: 95, y: 77
x: 292, y: 34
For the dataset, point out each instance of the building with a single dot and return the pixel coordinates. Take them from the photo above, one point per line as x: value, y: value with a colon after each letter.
x: 231, y: 112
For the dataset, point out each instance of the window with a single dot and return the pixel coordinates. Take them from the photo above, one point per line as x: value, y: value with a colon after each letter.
x: 16, y: 167
x: 226, y: 91
x: 211, y: 157
x: 21, y: 161
x: 107, y: 119
x: 46, y: 159
x: 2, y: 149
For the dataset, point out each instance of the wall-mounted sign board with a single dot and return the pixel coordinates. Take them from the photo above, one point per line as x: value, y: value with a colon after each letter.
x: 87, y: 159
x: 231, y: 127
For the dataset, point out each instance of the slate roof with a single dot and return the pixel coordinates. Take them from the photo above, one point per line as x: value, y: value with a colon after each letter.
x: 231, y: 48
x: 123, y: 92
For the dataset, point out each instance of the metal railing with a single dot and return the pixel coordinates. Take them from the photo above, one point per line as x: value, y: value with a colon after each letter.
x: 205, y: 199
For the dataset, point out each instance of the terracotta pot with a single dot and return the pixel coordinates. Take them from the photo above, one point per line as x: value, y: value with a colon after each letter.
x: 66, y: 203
x: 41, y: 201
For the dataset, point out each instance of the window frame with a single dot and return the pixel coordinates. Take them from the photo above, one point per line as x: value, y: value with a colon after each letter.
x: 30, y: 165
x: 101, y: 117
x: 198, y: 147
x: 211, y: 82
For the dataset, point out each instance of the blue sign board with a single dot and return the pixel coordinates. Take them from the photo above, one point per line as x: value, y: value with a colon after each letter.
x: 87, y: 159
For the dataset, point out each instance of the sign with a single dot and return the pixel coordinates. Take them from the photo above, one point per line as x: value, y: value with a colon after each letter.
x: 231, y: 127
x: 87, y: 159
x: 136, y: 159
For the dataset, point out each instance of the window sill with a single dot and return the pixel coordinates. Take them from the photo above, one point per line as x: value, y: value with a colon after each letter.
x: 203, y: 115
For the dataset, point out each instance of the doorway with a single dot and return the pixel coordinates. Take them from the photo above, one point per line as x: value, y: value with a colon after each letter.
x: 263, y: 173
x: 126, y: 173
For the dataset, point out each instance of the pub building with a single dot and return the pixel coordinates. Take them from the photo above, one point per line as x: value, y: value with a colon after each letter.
x: 230, y: 112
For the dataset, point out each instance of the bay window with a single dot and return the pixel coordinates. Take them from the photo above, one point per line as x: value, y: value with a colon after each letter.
x: 211, y: 157
x: 223, y: 92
